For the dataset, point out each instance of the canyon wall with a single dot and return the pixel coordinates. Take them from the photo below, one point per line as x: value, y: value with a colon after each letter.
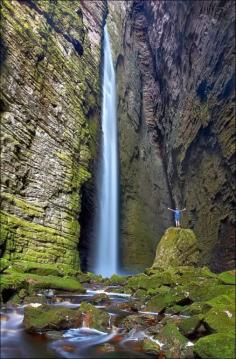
x: 50, y: 111
x: 176, y: 86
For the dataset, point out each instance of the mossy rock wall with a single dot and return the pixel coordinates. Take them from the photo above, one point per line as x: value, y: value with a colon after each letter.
x: 144, y: 189
x: 176, y: 90
x: 50, y: 110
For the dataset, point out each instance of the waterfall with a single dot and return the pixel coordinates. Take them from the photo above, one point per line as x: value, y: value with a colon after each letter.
x: 106, y: 262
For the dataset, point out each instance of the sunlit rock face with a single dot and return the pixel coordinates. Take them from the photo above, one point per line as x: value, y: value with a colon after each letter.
x: 50, y: 113
x: 176, y: 86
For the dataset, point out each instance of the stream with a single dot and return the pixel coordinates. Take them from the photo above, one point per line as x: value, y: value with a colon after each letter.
x: 80, y: 342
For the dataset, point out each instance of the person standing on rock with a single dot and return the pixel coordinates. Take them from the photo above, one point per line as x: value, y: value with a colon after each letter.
x: 177, y: 214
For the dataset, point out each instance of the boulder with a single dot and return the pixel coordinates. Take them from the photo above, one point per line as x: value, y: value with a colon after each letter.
x: 188, y: 326
x: 150, y: 347
x: 47, y: 317
x: 93, y: 317
x: 178, y: 247
x: 175, y: 344
x: 216, y: 346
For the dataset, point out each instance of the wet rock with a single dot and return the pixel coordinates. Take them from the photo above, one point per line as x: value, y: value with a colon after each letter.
x: 46, y: 317
x: 100, y: 298
x: 220, y: 318
x: 175, y: 344
x: 116, y: 280
x: 131, y: 306
x: 217, y: 346
x: 106, y: 348
x: 93, y: 317
x: 160, y: 302
x: 35, y: 299
x: 177, y: 247
x: 188, y: 326
x: 141, y: 321
x: 150, y: 347
x: 54, y: 335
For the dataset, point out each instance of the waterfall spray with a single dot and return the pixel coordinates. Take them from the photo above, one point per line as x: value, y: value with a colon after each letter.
x: 106, y: 262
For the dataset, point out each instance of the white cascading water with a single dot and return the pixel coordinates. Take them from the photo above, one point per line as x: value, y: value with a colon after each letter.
x: 106, y: 262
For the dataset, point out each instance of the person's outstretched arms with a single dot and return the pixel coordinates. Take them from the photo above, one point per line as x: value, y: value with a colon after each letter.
x: 184, y: 209
x: 171, y: 209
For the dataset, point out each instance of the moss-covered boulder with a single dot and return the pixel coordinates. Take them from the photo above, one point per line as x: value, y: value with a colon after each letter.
x: 100, y: 298
x: 139, y: 322
x: 47, y: 317
x: 175, y: 344
x: 161, y: 301
x: 93, y: 317
x: 216, y: 346
x: 150, y: 347
x: 220, y: 318
x: 188, y: 326
x: 177, y: 247
x: 13, y: 282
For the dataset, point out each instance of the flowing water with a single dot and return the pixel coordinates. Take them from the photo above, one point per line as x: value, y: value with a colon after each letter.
x: 83, y: 342
x: 106, y: 262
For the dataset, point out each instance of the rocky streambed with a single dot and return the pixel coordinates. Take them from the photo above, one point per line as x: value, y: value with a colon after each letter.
x: 181, y: 312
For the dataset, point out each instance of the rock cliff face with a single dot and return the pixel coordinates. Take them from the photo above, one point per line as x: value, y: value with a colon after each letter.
x: 175, y: 80
x: 50, y: 112
x: 176, y: 85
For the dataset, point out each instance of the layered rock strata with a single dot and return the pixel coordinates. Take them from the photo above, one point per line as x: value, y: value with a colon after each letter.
x: 50, y: 111
x: 144, y: 188
x: 176, y: 84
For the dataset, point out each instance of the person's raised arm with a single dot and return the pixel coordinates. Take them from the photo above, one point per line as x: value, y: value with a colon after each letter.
x: 184, y: 209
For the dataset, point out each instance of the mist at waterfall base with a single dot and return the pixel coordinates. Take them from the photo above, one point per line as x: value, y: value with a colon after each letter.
x: 106, y: 247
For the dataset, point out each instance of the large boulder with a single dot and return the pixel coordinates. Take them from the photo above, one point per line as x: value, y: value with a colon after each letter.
x: 178, y: 247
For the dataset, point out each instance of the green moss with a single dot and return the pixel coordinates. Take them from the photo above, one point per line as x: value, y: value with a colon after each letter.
x: 228, y: 277
x: 26, y: 207
x: 37, y: 268
x: 170, y: 335
x: 189, y: 325
x: 95, y: 318
x: 47, y: 317
x: 4, y: 264
x: 177, y: 247
x: 150, y: 347
x: 204, y: 292
x: 220, y: 318
x: 216, y: 346
x: 16, y: 281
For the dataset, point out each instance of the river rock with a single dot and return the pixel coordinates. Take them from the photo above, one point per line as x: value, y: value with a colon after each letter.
x: 93, y: 317
x: 188, y: 326
x: 177, y: 247
x: 100, y: 298
x: 217, y: 346
x: 175, y: 344
x: 48, y: 317
x: 150, y: 347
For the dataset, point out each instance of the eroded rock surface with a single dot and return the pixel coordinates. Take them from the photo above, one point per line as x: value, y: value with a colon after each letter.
x: 50, y: 112
x: 176, y: 85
